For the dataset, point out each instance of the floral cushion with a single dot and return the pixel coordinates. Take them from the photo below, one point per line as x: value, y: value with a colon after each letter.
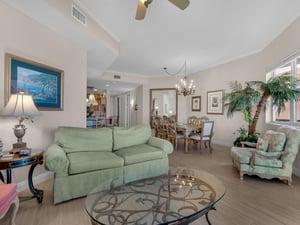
x: 270, y: 155
x: 276, y: 140
x: 273, y: 163
x: 262, y: 144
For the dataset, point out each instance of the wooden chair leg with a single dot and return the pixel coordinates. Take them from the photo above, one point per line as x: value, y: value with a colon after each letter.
x: 210, y: 148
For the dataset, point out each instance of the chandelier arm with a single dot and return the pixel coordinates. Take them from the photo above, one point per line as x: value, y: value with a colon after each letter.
x: 184, y: 87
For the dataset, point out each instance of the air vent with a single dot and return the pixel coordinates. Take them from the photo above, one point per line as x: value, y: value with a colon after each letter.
x: 117, y: 77
x: 78, y: 14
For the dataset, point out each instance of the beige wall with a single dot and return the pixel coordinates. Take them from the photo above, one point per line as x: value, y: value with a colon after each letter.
x: 284, y: 45
x: 24, y: 37
x: 252, y: 67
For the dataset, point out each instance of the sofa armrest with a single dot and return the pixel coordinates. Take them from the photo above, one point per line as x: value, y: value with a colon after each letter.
x: 268, y: 155
x: 162, y: 144
x: 56, y: 159
x: 262, y: 155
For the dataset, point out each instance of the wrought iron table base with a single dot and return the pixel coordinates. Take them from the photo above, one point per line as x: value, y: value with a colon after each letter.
x: 38, y: 194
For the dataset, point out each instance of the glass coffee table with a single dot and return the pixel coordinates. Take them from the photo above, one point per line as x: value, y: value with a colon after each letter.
x: 179, y: 197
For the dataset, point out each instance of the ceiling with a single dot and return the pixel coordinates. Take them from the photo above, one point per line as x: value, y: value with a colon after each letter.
x: 207, y: 33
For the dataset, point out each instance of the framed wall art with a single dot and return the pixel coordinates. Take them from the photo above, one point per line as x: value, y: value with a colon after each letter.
x: 215, y: 104
x: 196, y: 103
x: 43, y: 82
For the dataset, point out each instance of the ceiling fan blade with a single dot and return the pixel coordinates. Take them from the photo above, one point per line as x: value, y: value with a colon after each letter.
x: 141, y: 10
x: 181, y: 4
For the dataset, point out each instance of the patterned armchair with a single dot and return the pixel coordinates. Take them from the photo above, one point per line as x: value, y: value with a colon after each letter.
x: 272, y: 157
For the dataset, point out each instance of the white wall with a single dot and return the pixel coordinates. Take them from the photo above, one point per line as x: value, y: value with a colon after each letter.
x: 26, y: 38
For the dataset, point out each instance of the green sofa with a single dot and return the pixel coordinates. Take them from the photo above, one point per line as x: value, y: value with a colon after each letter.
x: 83, y: 158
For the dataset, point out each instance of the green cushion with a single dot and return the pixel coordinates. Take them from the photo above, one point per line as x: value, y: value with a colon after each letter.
x: 274, y: 155
x: 75, y: 139
x: 140, y: 153
x: 260, y: 161
x: 276, y: 140
x: 262, y: 144
x: 81, y: 162
x: 126, y: 137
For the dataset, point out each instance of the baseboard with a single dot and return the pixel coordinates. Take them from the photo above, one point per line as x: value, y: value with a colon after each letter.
x: 49, y: 175
x: 296, y: 171
x: 36, y: 180
x: 218, y: 142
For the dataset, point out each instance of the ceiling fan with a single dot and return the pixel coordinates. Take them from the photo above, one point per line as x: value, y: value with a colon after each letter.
x: 143, y: 5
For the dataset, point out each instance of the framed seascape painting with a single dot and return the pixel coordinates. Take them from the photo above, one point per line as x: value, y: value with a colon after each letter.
x: 215, y: 104
x: 196, y: 103
x: 43, y: 82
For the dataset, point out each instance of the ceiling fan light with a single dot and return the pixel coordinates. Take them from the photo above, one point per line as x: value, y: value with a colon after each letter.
x: 181, y: 4
x: 141, y: 10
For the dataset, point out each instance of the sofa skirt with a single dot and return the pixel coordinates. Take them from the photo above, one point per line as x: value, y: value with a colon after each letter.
x: 79, y: 185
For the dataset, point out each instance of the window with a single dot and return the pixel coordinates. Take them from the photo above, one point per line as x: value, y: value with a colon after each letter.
x: 286, y: 114
x: 291, y: 114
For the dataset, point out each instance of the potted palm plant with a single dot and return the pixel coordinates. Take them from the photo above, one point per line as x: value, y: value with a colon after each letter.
x: 253, y: 98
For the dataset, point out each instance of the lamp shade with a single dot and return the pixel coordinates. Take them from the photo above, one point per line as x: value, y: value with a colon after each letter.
x: 20, y: 105
x: 92, y: 100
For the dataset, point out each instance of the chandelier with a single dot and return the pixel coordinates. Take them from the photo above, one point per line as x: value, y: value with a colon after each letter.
x: 185, y: 88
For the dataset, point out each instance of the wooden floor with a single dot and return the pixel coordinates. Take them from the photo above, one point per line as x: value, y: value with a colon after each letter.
x: 253, y: 201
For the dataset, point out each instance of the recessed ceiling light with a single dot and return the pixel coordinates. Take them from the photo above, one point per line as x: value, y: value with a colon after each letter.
x: 106, y: 85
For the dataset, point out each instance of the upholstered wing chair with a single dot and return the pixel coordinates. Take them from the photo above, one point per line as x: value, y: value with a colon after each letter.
x: 272, y: 157
x: 9, y: 203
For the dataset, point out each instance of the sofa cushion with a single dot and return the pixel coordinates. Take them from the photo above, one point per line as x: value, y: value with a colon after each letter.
x: 262, y: 144
x: 276, y: 140
x: 126, y: 137
x: 75, y: 139
x: 140, y: 153
x: 273, y: 155
x: 8, y: 193
x: 81, y: 162
x: 273, y: 163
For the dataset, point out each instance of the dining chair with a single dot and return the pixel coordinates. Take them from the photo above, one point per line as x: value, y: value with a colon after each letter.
x: 174, y: 136
x: 9, y: 202
x: 205, y: 135
x: 203, y: 118
x: 162, y: 127
x: 191, y: 120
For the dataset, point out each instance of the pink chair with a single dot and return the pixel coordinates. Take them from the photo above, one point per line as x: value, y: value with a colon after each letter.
x: 9, y: 202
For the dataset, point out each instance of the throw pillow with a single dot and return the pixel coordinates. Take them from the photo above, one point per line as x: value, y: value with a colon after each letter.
x: 262, y: 144
x: 276, y: 140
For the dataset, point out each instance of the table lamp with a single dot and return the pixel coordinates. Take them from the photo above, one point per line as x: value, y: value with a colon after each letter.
x: 91, y: 102
x: 20, y: 105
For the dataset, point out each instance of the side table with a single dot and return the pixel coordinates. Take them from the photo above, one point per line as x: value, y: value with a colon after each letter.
x: 35, y: 158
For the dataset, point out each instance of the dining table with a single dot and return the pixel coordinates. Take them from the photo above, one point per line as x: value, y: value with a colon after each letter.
x: 187, y: 129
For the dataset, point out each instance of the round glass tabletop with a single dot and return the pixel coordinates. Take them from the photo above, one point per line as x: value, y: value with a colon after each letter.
x: 182, y: 196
